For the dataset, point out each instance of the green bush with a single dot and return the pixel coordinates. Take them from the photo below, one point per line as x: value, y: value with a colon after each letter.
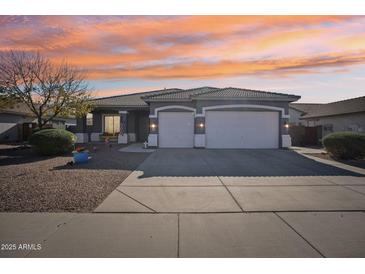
x: 43, y: 128
x: 345, y: 145
x: 52, y: 141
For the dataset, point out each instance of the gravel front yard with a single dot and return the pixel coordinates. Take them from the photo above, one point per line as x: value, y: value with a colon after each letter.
x: 30, y: 183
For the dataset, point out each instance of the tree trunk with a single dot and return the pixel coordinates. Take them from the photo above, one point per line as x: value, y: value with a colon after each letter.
x: 40, y: 125
x: 39, y: 116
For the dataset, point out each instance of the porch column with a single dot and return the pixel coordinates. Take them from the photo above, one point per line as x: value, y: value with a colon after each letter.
x: 123, y: 134
x: 81, y: 132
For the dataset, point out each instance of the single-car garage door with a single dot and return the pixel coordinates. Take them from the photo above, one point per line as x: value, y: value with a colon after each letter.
x: 242, y: 129
x: 176, y: 129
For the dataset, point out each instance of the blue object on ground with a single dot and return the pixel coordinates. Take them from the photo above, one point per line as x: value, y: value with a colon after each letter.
x: 81, y: 157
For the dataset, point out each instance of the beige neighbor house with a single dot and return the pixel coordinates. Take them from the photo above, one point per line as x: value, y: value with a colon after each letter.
x: 346, y: 115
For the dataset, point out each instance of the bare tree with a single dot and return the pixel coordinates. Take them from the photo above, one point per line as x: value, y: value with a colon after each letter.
x: 49, y: 90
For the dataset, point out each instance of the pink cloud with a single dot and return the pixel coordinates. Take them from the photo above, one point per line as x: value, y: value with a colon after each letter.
x: 113, y: 47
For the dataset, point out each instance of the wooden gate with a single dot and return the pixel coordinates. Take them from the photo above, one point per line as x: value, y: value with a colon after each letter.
x: 312, y: 135
x: 28, y: 130
x: 305, y: 136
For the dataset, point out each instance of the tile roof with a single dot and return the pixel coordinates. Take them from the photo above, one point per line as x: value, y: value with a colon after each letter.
x: 23, y: 110
x: 181, y: 94
x: 175, y: 94
x: 129, y: 99
x: 235, y: 93
x: 19, y: 109
x: 305, y: 108
x: 337, y: 108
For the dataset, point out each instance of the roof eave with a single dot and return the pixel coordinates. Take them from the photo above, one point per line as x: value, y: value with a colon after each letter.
x: 121, y: 106
x: 330, y: 115
x: 17, y: 113
x: 302, y: 111
x: 32, y: 115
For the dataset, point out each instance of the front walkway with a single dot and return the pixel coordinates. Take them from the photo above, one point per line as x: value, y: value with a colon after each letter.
x: 303, y: 150
x: 136, y: 148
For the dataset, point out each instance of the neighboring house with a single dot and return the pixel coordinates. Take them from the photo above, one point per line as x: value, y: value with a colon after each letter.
x: 298, y: 110
x: 346, y: 115
x: 17, y: 122
x: 200, y: 117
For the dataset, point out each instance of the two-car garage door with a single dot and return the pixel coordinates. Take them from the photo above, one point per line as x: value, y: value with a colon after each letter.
x: 242, y: 129
x: 223, y: 129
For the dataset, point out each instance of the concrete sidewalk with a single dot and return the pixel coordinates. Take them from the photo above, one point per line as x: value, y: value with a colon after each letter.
x: 295, y: 234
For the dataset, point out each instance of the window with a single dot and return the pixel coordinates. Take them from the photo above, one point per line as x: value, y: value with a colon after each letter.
x: 89, y: 119
x: 111, y: 124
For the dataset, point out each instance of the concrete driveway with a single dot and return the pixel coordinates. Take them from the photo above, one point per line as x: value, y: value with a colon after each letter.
x: 191, y: 180
x: 209, y: 203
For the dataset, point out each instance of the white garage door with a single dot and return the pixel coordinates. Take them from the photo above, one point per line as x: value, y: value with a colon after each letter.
x: 176, y: 129
x: 242, y: 129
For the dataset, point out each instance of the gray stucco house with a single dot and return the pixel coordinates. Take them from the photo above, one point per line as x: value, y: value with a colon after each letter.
x: 17, y: 123
x: 205, y: 117
x: 346, y: 115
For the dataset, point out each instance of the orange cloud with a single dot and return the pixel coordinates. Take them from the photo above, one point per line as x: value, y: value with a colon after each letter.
x: 233, y: 68
x: 286, y: 37
x: 189, y: 46
x: 353, y: 41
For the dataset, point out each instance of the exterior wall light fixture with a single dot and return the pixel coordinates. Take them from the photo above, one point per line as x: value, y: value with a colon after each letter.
x: 153, y: 126
x: 201, y: 125
x: 286, y: 125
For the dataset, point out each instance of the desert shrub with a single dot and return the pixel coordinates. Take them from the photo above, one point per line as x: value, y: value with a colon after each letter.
x: 52, y: 141
x: 345, y: 145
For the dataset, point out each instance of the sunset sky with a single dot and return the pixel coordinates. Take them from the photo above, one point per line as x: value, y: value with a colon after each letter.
x: 321, y: 58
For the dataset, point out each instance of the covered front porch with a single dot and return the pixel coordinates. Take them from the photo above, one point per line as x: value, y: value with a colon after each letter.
x: 114, y: 125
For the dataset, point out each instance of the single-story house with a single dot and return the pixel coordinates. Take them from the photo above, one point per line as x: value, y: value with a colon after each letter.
x: 298, y: 110
x: 346, y: 115
x: 17, y: 123
x: 205, y: 117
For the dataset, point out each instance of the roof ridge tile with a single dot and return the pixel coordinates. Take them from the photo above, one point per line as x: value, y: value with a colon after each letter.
x: 181, y: 91
x: 172, y: 91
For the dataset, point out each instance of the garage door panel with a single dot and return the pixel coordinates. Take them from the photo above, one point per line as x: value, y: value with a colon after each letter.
x: 176, y: 129
x: 242, y: 129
